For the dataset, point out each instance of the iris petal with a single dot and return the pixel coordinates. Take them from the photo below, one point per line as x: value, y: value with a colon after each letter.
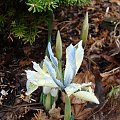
x: 54, y: 60
x: 73, y: 87
x: 70, y: 68
x: 40, y: 78
x: 52, y: 73
x: 76, y: 90
x: 54, y: 92
x: 87, y: 96
x: 37, y: 67
x: 46, y: 90
x: 70, y: 89
x: 52, y: 57
x: 79, y: 55
x: 30, y: 87
x: 32, y: 76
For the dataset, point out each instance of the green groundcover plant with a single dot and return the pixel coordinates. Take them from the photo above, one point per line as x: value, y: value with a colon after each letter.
x: 17, y: 22
x: 45, y: 5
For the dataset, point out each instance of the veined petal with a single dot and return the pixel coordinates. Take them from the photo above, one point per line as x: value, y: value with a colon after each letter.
x: 49, y: 82
x: 30, y: 87
x: 49, y: 67
x: 44, y: 67
x: 57, y: 72
x: 52, y: 73
x: 87, y: 96
x: 32, y: 76
x: 40, y: 79
x: 37, y: 67
x: 79, y: 54
x: 52, y: 91
x: 52, y: 57
x: 82, y: 86
x: 70, y: 89
x: 70, y: 68
x: 73, y: 87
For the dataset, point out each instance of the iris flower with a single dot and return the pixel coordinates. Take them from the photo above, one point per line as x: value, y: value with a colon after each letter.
x: 53, y: 79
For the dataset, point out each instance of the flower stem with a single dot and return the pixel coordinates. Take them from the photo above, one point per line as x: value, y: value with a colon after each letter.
x: 67, y: 114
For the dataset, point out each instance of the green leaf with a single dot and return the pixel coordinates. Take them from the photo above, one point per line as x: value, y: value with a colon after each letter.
x: 114, y: 91
x: 67, y: 115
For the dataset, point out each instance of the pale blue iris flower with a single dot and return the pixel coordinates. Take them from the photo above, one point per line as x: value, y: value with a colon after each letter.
x: 49, y: 78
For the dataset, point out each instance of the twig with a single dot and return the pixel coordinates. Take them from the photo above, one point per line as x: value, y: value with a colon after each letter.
x: 98, y: 110
x: 113, y: 71
x: 17, y: 106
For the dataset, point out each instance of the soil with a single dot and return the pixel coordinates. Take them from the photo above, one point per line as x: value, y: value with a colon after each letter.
x: 101, y: 63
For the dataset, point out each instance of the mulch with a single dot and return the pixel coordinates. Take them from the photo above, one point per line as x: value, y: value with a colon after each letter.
x: 101, y: 63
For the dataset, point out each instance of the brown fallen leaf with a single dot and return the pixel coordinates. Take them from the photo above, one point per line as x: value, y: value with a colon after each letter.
x: 110, y: 59
x: 80, y: 112
x: 87, y: 76
x: 25, y: 62
x: 8, y: 115
x: 55, y: 113
x: 108, y: 81
x: 115, y: 1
